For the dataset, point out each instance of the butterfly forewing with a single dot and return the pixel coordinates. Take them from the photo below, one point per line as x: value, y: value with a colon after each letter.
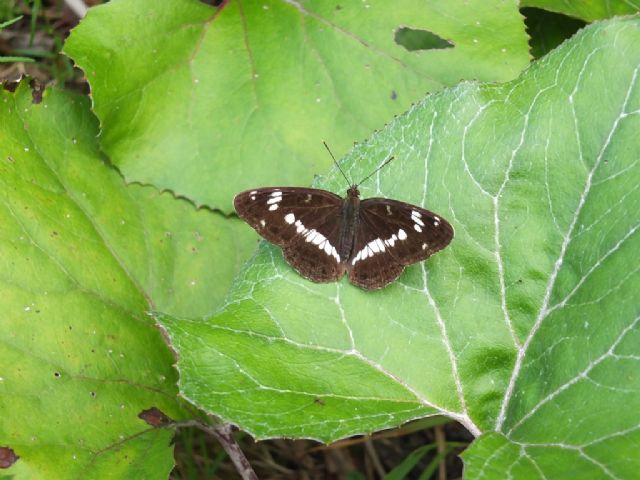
x: 390, y: 236
x: 305, y: 222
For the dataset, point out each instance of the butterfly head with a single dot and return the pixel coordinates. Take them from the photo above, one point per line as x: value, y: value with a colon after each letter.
x: 353, y: 191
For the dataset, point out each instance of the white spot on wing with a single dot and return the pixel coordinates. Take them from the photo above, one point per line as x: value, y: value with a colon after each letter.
x: 416, y: 217
x: 379, y: 245
x: 263, y: 223
x: 273, y: 207
x: 417, y: 227
x: 289, y: 218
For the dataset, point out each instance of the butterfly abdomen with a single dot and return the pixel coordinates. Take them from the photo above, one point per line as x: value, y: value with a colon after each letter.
x: 350, y: 214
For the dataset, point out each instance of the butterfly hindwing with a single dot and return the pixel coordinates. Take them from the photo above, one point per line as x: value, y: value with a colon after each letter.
x: 390, y: 236
x: 319, y: 262
x: 305, y: 222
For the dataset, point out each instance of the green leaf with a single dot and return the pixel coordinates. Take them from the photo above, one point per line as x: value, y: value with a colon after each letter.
x: 526, y: 325
x: 208, y: 102
x: 404, y: 468
x: 587, y: 11
x: 493, y: 454
x: 8, y: 23
x: 435, y: 463
x: 83, y: 259
x: 16, y: 59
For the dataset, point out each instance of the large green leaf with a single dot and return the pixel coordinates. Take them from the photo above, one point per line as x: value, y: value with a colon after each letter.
x: 525, y: 325
x: 83, y: 261
x: 610, y: 456
x: 206, y: 102
x: 587, y: 11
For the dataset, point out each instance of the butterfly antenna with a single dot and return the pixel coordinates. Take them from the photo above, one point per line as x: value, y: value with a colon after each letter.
x: 336, y: 162
x: 375, y: 171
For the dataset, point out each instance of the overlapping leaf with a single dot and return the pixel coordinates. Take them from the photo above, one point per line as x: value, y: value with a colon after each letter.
x: 206, y: 102
x: 83, y: 260
x: 526, y: 325
x: 587, y: 11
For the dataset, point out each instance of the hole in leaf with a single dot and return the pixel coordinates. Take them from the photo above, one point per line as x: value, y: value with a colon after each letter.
x: 547, y: 29
x: 9, y: 85
x: 415, y: 39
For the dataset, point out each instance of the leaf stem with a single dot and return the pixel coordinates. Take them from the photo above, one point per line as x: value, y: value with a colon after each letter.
x: 224, y: 435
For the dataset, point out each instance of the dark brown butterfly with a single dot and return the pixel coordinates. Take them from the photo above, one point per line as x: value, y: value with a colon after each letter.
x: 323, y: 235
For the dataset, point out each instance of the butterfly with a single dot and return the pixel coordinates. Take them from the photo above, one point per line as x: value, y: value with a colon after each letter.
x: 323, y: 236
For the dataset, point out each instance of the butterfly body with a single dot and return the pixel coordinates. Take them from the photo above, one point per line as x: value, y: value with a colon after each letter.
x: 324, y: 236
x: 350, y: 212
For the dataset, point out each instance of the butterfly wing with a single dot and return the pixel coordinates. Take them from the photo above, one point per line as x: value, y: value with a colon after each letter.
x: 305, y: 222
x: 390, y: 236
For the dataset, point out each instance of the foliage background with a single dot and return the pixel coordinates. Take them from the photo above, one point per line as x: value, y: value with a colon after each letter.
x: 189, y: 106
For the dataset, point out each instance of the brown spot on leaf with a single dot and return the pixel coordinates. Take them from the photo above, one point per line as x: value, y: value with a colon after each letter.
x: 37, y: 89
x: 7, y: 457
x: 154, y: 417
